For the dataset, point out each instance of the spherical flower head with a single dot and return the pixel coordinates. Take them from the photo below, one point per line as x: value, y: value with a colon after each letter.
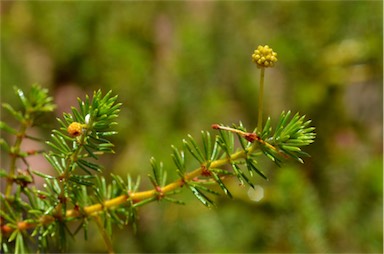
x: 264, y: 57
x: 75, y: 129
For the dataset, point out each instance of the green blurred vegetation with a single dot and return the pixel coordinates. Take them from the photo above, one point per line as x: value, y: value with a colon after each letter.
x: 178, y: 67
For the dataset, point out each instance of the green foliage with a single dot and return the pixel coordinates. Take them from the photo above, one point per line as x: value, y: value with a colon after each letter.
x: 79, y: 192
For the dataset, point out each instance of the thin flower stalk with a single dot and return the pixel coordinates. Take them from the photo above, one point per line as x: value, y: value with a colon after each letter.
x: 263, y: 57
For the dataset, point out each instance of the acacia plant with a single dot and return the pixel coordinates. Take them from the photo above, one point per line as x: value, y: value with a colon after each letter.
x: 77, y: 191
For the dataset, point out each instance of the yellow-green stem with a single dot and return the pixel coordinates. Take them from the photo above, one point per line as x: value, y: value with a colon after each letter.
x: 260, y: 109
x: 15, y: 153
x: 93, y: 210
x: 139, y: 196
x: 71, y: 159
x: 104, y: 234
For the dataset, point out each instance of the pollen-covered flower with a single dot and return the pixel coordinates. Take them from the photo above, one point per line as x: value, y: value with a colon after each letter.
x: 75, y: 129
x: 264, y: 57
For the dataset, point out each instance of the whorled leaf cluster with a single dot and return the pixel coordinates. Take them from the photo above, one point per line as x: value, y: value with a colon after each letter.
x: 77, y: 190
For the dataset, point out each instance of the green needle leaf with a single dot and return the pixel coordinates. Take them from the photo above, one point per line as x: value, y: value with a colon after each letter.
x: 251, y: 166
x: 221, y: 184
x: 201, y: 196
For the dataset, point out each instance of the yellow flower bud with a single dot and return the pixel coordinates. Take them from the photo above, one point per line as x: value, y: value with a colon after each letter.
x: 264, y: 57
x: 75, y: 129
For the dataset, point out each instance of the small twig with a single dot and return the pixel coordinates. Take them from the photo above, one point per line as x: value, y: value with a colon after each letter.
x: 106, y: 238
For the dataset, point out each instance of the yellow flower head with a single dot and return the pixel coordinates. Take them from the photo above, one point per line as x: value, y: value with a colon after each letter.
x: 264, y: 57
x: 75, y: 129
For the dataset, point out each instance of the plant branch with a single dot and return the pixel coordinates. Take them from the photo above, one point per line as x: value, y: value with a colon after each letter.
x: 16, y: 151
x: 135, y: 197
x: 104, y: 234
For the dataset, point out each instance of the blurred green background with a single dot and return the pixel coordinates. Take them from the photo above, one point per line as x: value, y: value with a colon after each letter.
x: 178, y: 67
